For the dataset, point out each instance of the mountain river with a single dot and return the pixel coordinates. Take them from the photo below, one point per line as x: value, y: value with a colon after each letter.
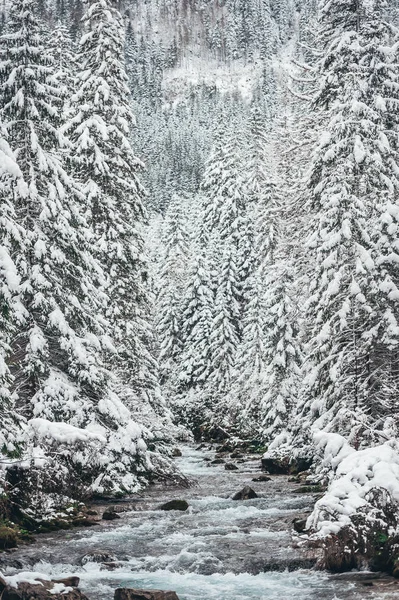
x: 219, y: 549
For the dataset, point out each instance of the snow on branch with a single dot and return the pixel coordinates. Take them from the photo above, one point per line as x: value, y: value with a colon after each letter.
x: 61, y: 433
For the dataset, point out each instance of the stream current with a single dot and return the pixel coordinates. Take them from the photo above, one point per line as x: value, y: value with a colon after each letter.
x: 219, y: 549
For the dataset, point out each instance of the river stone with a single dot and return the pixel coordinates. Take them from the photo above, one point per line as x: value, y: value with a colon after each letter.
x: 98, y: 556
x: 246, y: 493
x: 175, y: 505
x: 299, y: 525
x: 177, y: 453
x: 218, y: 461
x: 230, y: 467
x: 110, y: 515
x: 127, y: 594
x: 262, y: 478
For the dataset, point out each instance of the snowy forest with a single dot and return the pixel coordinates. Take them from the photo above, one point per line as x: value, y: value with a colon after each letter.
x: 199, y: 241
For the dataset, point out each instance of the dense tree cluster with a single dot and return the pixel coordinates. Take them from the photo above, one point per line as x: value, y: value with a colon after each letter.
x: 79, y: 378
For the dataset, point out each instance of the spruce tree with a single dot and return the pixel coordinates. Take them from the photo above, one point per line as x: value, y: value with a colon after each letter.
x: 100, y: 129
x: 353, y: 176
x: 171, y: 284
x: 12, y: 312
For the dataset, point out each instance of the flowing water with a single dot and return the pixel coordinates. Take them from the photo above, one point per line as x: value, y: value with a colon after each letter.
x: 219, y: 549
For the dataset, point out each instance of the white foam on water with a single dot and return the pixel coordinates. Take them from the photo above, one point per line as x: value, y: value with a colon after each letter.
x: 304, y: 585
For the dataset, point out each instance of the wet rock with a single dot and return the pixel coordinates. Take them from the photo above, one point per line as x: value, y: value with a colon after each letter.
x: 110, y: 566
x: 299, y: 525
x: 97, y: 556
x: 262, y: 478
x: 218, y: 461
x: 247, y: 493
x: 110, y: 515
x: 310, y: 489
x: 283, y: 466
x: 177, y: 453
x: 275, y: 466
x: 175, y: 505
x: 92, y: 513
x: 127, y: 594
x: 45, y: 590
x: 68, y: 581
x: 395, y: 570
x: 230, y: 467
x: 236, y: 454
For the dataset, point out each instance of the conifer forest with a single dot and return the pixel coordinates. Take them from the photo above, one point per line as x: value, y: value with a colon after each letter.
x: 199, y: 289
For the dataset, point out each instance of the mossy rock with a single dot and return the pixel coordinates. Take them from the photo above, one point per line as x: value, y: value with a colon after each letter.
x: 8, y: 537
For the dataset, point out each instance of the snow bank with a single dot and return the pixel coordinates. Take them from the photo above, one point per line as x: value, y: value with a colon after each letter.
x: 354, y: 474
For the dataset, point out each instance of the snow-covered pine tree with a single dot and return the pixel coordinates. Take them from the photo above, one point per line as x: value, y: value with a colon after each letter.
x: 282, y: 354
x: 224, y: 337
x: 100, y: 130
x: 12, y: 311
x: 197, y: 313
x: 171, y: 283
x: 56, y: 353
x: 353, y: 173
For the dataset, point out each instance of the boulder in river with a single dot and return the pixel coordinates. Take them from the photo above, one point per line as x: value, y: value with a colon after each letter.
x: 175, y: 505
x: 110, y: 515
x: 230, y: 467
x: 247, y: 493
x: 127, y: 594
x: 218, y: 461
x: 262, y: 478
x: 98, y: 556
x: 177, y: 453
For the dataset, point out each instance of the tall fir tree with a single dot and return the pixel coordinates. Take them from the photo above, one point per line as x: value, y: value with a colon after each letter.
x: 353, y: 175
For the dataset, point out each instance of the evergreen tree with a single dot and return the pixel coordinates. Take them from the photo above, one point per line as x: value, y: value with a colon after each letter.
x: 353, y: 175
x: 105, y: 163
x: 12, y: 311
x: 197, y: 312
x: 171, y: 283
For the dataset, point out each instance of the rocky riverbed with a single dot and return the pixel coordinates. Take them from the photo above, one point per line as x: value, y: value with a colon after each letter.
x: 217, y: 548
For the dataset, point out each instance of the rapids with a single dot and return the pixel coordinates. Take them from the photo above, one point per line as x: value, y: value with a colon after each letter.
x: 219, y: 549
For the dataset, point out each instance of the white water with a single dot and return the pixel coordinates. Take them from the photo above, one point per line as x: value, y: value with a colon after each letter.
x: 217, y: 550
